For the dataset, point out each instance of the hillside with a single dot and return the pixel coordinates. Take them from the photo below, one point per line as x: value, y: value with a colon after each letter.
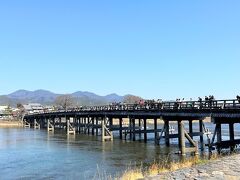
x: 47, y: 97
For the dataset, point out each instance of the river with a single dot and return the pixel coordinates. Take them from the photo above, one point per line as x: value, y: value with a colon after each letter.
x: 37, y: 154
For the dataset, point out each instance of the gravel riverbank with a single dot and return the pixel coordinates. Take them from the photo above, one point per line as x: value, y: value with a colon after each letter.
x: 224, y: 168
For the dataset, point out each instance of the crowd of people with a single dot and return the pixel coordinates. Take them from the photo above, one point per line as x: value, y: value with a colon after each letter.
x: 209, y: 101
x: 180, y: 103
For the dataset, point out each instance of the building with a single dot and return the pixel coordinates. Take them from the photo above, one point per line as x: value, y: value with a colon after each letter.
x: 6, y: 112
x: 33, y: 108
x: 48, y: 108
x: 3, y: 109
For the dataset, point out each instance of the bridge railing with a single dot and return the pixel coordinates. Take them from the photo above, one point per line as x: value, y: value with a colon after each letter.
x: 165, y: 105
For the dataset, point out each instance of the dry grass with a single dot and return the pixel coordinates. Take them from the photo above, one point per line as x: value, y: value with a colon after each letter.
x: 155, y: 168
x: 161, y: 167
x: 132, y: 175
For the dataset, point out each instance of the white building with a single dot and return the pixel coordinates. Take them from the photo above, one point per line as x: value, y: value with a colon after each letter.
x: 3, y: 108
x: 33, y: 108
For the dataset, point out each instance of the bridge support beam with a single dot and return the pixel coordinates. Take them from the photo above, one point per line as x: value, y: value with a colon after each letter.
x: 182, y: 138
x: 106, y: 133
x: 166, y: 125
x: 88, y: 128
x: 36, y: 125
x: 140, y: 128
x: 26, y: 124
x: 219, y: 137
x: 179, y: 134
x: 130, y: 128
x: 85, y: 125
x: 145, y: 129
x: 120, y: 127
x: 97, y: 126
x: 190, y: 128
x: 155, y: 129
x: 82, y: 124
x: 133, y: 126
x: 231, y: 134
x: 70, y: 129
x: 93, y: 120
x: 50, y: 127
x: 78, y: 124
x: 201, y: 135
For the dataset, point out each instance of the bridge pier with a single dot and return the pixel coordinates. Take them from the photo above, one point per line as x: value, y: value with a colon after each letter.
x: 182, y: 138
x: 50, y: 127
x: 70, y: 129
x: 130, y: 127
x: 201, y: 134
x: 140, y: 128
x: 82, y: 124
x: 145, y: 129
x: 190, y: 128
x: 36, y: 125
x: 26, y: 124
x: 93, y: 120
x: 78, y: 124
x: 231, y: 134
x: 166, y: 133
x: 54, y: 122
x: 75, y: 124
x: 60, y: 123
x: 88, y: 128
x: 97, y: 126
x: 85, y: 125
x: 155, y: 129
x: 106, y: 133
x: 219, y: 137
x: 133, y: 126
x: 120, y: 127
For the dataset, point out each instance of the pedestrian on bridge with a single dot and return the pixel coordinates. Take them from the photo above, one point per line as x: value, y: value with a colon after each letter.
x: 200, y: 102
x: 238, y: 98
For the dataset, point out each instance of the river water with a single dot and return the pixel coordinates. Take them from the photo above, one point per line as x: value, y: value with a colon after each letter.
x: 37, y: 154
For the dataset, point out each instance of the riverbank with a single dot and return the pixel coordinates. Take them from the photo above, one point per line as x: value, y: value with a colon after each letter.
x: 10, y: 123
x: 222, y: 168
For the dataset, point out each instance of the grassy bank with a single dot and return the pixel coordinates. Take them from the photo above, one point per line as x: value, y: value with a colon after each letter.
x: 161, y: 167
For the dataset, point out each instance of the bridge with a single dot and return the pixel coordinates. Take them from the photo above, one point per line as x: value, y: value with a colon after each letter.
x: 130, y: 121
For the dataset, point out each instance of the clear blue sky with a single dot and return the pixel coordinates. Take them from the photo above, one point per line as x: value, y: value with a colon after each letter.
x: 154, y: 49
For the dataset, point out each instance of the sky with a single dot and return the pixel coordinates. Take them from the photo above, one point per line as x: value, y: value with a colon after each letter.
x: 154, y: 49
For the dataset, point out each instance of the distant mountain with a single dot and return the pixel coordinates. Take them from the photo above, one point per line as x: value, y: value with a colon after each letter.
x: 85, y: 94
x: 40, y: 96
x: 89, y: 98
x: 114, y: 98
x: 47, y: 97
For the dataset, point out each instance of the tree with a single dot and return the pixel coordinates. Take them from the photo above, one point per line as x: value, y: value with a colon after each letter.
x: 19, y: 106
x: 8, y: 110
x: 65, y: 101
x: 130, y: 99
x: 20, y: 112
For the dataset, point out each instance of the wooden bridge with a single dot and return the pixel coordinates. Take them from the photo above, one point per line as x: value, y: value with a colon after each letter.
x: 131, y: 121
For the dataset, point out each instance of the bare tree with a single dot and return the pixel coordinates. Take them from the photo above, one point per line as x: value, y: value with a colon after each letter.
x: 65, y: 101
x: 21, y: 111
x: 131, y: 99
